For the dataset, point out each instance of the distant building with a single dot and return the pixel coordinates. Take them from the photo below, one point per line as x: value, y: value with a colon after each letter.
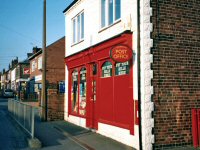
x: 35, y: 82
x: 22, y: 77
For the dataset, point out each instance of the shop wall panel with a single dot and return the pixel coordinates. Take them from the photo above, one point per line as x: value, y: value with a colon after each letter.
x: 122, y: 98
x: 105, y: 99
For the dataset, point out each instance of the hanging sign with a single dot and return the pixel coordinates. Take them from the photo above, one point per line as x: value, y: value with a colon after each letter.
x: 26, y: 70
x: 121, y: 53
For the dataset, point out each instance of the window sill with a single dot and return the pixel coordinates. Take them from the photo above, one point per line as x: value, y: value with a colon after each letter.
x: 105, y: 28
x: 77, y: 43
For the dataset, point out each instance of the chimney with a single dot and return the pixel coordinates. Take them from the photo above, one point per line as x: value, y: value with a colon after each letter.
x: 29, y: 54
x: 36, y: 49
x: 15, y: 62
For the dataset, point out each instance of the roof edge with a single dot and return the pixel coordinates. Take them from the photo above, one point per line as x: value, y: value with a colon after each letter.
x: 68, y: 7
x: 34, y: 55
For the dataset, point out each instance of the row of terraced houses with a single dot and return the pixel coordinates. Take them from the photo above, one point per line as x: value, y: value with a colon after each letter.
x: 131, y: 71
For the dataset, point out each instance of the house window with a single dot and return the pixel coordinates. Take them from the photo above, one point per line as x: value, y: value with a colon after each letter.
x: 110, y: 12
x: 78, y: 28
x: 40, y: 62
x: 33, y: 67
x: 107, y: 69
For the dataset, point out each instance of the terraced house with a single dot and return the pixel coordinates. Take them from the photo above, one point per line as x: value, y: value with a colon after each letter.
x: 132, y: 70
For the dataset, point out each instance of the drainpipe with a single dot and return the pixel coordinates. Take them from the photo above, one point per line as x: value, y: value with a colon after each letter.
x: 138, y: 74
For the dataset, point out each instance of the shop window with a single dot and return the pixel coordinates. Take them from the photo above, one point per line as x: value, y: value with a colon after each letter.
x: 74, y: 92
x: 107, y: 69
x: 110, y: 12
x: 122, y: 68
x: 82, y: 100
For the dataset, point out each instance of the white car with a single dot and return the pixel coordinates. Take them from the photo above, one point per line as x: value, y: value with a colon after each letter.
x: 8, y: 93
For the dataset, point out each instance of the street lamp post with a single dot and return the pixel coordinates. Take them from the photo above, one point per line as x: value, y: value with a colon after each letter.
x: 44, y: 98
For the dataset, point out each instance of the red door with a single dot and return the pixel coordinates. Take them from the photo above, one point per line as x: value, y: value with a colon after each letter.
x: 91, y: 120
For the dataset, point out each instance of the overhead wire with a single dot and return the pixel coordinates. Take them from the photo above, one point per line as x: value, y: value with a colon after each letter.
x: 14, y: 31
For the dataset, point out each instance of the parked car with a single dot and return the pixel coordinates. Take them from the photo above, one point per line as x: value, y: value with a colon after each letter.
x: 8, y: 93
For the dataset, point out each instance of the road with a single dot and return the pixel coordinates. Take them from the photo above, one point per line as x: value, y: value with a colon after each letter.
x: 12, y: 136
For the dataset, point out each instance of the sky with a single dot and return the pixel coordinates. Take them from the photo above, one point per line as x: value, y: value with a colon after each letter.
x: 21, y: 24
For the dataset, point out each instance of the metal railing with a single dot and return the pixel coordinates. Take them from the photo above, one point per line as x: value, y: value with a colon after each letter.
x: 23, y: 114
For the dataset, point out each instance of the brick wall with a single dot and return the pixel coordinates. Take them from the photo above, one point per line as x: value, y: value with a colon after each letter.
x: 55, y: 105
x: 55, y: 61
x: 55, y: 73
x: 176, y: 67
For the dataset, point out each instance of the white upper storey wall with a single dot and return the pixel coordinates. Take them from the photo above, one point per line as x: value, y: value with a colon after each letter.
x: 93, y: 33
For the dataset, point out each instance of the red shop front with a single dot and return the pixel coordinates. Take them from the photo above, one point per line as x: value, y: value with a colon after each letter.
x: 101, y: 89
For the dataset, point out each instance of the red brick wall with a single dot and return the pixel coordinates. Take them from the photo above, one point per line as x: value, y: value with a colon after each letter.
x: 176, y: 69
x: 55, y: 105
x: 55, y: 61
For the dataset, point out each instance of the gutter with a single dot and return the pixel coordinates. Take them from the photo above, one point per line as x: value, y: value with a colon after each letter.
x: 139, y: 74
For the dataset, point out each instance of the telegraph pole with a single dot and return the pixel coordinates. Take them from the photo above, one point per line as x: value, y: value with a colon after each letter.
x: 44, y: 98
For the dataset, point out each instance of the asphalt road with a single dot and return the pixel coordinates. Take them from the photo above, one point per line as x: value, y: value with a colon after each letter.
x: 12, y: 136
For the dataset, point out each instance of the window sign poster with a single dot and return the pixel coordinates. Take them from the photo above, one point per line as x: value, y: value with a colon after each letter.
x: 83, y: 74
x: 75, y: 76
x: 107, y: 69
x: 82, y: 99
x: 61, y: 87
x: 122, y: 68
x: 75, y: 97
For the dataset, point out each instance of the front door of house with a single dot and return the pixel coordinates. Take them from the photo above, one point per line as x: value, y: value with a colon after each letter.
x: 91, y: 120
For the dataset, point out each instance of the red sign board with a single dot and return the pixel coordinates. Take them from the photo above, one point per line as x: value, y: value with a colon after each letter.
x: 121, y: 53
x: 26, y: 71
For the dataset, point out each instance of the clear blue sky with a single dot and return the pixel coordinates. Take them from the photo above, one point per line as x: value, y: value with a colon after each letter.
x: 21, y: 26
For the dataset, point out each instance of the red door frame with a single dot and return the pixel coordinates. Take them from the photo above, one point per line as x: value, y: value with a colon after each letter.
x: 92, y: 119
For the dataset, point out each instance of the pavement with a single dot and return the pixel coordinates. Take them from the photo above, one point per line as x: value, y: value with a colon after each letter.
x: 63, y: 135
x: 56, y: 135
x: 12, y: 137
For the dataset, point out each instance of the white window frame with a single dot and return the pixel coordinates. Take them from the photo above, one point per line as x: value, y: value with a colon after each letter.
x: 107, y: 14
x: 33, y: 66
x: 40, y: 62
x: 79, y: 29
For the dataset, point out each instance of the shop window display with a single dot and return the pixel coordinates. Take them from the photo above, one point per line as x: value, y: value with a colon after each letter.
x: 74, y: 92
x: 82, y: 99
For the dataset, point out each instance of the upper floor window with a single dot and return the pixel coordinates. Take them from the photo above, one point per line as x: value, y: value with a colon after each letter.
x: 40, y: 62
x: 110, y: 12
x: 78, y: 28
x: 34, y: 66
